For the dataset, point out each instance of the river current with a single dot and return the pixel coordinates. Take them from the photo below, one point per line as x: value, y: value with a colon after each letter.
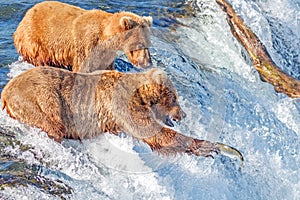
x: 219, y: 89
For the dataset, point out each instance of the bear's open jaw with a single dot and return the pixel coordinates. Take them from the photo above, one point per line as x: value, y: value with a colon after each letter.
x: 169, y: 122
x: 170, y: 119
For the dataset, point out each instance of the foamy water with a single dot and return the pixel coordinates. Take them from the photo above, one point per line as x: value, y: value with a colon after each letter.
x: 225, y: 101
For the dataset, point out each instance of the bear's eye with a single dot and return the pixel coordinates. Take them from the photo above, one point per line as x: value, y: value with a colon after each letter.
x: 154, y: 101
x: 140, y: 46
x: 174, y: 100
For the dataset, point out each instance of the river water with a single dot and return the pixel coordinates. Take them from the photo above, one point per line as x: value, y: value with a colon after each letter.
x: 219, y: 89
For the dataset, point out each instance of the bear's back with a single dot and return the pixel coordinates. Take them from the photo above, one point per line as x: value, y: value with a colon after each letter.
x: 38, y: 16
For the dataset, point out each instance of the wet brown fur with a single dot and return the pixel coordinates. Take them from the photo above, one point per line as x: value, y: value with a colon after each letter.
x: 76, y: 105
x: 61, y: 35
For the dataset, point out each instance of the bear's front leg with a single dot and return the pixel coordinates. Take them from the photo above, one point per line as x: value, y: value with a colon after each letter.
x: 168, y: 141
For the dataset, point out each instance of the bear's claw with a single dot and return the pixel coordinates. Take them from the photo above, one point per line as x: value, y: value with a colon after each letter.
x: 207, y: 149
x: 203, y: 148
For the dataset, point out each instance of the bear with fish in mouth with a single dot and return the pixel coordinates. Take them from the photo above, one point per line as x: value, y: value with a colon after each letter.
x: 81, y: 105
x: 61, y: 35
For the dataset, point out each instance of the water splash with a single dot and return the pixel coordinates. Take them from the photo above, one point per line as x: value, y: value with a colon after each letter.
x: 225, y: 101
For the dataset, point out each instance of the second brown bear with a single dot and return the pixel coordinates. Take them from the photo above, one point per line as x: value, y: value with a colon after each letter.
x: 61, y: 35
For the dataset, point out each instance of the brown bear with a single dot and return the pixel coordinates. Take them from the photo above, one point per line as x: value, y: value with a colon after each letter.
x: 83, y: 105
x: 61, y: 35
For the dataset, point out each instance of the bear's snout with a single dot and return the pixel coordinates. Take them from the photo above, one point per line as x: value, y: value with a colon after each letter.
x: 140, y: 58
x: 177, y: 117
x: 177, y: 114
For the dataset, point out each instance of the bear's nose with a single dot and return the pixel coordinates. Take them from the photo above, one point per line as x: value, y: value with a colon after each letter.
x: 145, y: 60
x: 146, y: 64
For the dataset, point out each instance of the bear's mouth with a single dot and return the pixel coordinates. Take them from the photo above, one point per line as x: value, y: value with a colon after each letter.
x: 170, y: 118
x: 169, y: 122
x: 167, y: 118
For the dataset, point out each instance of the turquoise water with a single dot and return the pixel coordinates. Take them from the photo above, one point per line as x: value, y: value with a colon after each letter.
x: 219, y: 89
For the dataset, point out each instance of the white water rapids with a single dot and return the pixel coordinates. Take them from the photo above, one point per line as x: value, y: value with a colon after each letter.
x: 225, y: 101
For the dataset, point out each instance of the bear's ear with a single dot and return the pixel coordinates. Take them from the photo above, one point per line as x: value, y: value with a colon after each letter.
x: 148, y: 20
x: 127, y: 23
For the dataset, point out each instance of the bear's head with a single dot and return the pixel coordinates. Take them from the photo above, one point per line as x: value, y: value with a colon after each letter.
x: 159, y: 96
x: 144, y: 102
x: 137, y: 40
x: 131, y: 33
x: 164, y: 102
